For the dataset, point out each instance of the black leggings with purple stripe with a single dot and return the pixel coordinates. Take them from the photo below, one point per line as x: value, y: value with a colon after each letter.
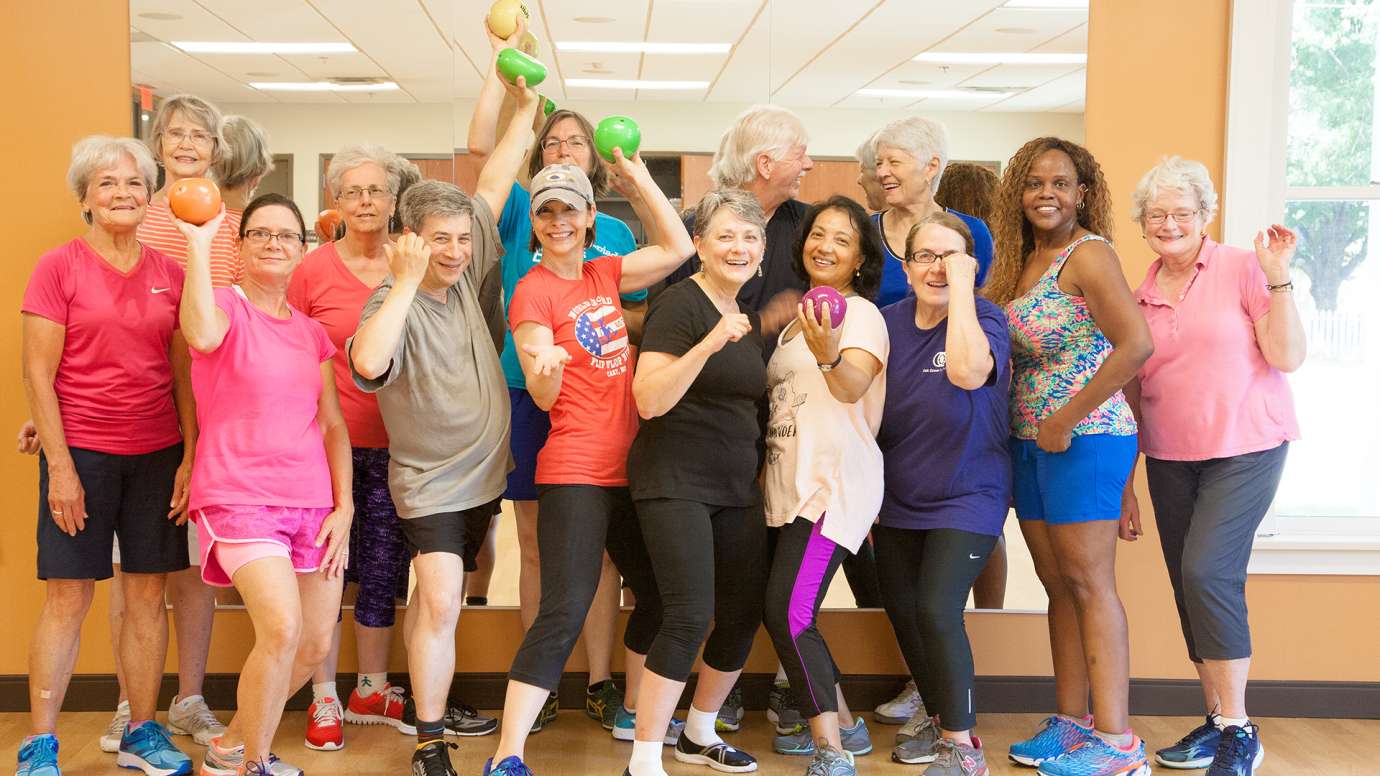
x: 801, y: 569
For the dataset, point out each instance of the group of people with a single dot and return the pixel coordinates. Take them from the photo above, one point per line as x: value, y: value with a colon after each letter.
x: 237, y: 411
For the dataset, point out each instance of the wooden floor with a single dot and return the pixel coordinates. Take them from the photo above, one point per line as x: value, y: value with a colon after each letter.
x: 575, y: 745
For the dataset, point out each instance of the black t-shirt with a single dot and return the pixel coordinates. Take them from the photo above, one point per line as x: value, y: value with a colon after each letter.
x: 706, y: 447
x: 777, y: 272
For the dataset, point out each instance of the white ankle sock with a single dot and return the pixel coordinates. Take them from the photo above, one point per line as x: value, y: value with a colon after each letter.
x: 368, y: 684
x: 1225, y: 722
x: 646, y: 759
x: 699, y: 726
x: 1119, y: 740
x: 780, y: 674
x: 322, y: 691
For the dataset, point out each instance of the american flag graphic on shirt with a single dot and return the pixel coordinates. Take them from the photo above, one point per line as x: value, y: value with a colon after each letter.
x: 601, y: 331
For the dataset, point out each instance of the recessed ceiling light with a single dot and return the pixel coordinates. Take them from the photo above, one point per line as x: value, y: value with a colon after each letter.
x: 914, y: 82
x: 599, y: 83
x: 1000, y: 58
x: 160, y: 16
x: 322, y: 86
x: 594, y: 19
x: 931, y: 94
x: 261, y: 74
x: 257, y: 47
x: 1046, y: 4
x: 1016, y: 30
x: 642, y: 47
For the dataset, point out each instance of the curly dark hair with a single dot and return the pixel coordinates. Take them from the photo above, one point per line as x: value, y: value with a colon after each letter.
x: 1011, y: 232
x: 869, y: 279
x: 967, y: 188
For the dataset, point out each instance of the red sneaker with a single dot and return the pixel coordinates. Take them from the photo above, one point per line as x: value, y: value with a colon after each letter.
x: 325, y: 733
x: 384, y: 707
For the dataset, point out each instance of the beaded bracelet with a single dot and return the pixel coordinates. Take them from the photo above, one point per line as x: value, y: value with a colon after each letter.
x: 1285, y: 286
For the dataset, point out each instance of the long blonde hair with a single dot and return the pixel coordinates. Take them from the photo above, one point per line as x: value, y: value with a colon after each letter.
x: 1012, y: 236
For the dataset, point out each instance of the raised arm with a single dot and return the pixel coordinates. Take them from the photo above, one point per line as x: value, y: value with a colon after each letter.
x: 670, y: 242
x: 203, y: 323
x: 662, y: 379
x: 42, y: 349
x: 483, y: 133
x: 968, y: 355
x: 543, y: 362
x: 501, y: 169
x: 373, y: 346
x: 1280, y: 333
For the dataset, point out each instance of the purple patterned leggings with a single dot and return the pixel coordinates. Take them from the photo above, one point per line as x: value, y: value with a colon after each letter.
x: 378, y: 555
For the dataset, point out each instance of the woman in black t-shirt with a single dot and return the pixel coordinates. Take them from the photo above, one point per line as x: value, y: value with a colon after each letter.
x: 693, y: 475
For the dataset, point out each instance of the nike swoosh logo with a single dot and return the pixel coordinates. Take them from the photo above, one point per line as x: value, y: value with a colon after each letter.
x: 159, y: 290
x: 973, y: 557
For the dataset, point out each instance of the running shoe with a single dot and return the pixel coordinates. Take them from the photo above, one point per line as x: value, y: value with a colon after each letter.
x: 1239, y: 752
x: 1059, y: 735
x: 148, y: 748
x: 190, y: 716
x: 602, y: 704
x: 855, y: 740
x: 433, y: 759
x: 1096, y: 757
x: 325, y: 725
x: 460, y: 719
x: 1194, y: 750
x: 38, y: 756
x: 720, y: 756
x: 110, y: 739
x: 228, y: 762
x: 900, y: 709
x: 625, y: 726
x: 955, y: 759
x: 921, y: 737
x: 511, y: 765
x: 780, y: 713
x: 730, y: 718
x: 829, y: 761
x: 384, y: 707
x: 549, y: 710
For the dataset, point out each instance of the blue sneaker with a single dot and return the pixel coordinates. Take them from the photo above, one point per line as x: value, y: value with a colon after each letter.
x: 38, y: 756
x: 855, y: 740
x: 1194, y: 750
x: 1239, y: 752
x: 147, y: 748
x: 511, y: 765
x: 625, y: 727
x: 1059, y: 735
x: 1096, y: 757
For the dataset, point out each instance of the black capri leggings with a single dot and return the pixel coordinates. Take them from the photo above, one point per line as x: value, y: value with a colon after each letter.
x: 926, y: 576
x: 804, y: 563
x: 575, y: 524
x: 710, y: 563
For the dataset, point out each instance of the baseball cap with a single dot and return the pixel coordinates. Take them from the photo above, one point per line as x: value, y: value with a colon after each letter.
x: 564, y: 182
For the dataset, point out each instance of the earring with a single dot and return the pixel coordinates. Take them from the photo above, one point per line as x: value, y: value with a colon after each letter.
x: 1080, y: 205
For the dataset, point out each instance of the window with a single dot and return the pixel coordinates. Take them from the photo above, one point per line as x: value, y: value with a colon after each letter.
x: 1316, y: 168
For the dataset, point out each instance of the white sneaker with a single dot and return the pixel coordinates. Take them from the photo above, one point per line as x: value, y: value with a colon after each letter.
x: 903, y: 707
x: 191, y: 716
x: 110, y: 739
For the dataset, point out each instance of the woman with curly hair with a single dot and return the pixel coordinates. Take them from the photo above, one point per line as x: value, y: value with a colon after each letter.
x: 1076, y: 339
x: 967, y: 188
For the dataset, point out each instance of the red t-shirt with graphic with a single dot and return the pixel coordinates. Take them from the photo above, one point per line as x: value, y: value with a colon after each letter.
x: 594, y: 420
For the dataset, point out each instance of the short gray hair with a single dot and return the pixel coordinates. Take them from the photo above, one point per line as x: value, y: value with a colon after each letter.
x: 353, y: 156
x: 196, y: 109
x: 761, y: 129
x: 1174, y: 173
x: 425, y: 199
x: 918, y: 136
x: 867, y: 154
x: 93, y: 154
x: 736, y: 201
x: 246, y: 153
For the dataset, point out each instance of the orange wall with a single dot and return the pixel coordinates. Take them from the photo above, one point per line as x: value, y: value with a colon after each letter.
x: 1306, y: 628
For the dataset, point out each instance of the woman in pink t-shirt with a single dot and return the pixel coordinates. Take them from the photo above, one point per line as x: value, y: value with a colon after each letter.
x: 271, y: 485
x: 1216, y: 417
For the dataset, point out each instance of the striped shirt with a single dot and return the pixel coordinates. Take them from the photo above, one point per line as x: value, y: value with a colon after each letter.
x: 158, y: 232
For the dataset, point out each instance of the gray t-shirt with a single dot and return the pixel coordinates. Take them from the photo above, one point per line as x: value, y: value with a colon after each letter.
x: 443, y: 399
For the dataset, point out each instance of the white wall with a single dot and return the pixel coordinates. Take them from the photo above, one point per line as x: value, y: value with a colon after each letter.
x: 308, y: 130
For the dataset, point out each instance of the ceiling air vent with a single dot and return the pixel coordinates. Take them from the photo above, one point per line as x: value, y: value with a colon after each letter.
x: 357, y: 80
x: 992, y: 89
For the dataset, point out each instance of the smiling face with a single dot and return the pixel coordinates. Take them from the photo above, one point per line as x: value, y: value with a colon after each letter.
x: 905, y: 180
x: 730, y: 249
x: 567, y: 143
x: 187, y: 147
x: 929, y: 281
x: 117, y: 197
x: 560, y: 228
x: 789, y: 170
x: 1052, y: 192
x: 832, y: 254
x: 1171, y: 238
x: 449, y: 239
x: 271, y: 261
x: 362, y: 210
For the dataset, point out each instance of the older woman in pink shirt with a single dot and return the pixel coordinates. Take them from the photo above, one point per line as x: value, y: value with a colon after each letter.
x: 1216, y: 417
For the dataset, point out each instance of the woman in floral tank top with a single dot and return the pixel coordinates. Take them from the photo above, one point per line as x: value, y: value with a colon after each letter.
x: 1076, y: 339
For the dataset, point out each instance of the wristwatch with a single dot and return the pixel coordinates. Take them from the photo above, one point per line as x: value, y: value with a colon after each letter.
x: 827, y: 368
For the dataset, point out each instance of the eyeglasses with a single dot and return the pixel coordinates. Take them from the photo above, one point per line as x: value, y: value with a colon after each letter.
x: 1157, y: 217
x: 354, y: 193
x: 574, y: 142
x: 928, y: 257
x: 258, y: 237
x: 197, y: 136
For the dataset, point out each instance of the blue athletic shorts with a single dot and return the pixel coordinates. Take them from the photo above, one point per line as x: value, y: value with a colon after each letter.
x: 1080, y: 484
x: 530, y: 428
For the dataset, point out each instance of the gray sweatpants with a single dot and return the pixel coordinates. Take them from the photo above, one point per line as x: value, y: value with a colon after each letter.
x: 1207, y: 513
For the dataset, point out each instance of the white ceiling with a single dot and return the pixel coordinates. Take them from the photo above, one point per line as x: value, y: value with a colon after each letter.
x: 815, y: 53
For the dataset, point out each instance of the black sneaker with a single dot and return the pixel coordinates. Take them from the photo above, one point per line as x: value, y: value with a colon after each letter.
x: 460, y: 719
x: 433, y: 759
x: 547, y: 715
x: 720, y: 756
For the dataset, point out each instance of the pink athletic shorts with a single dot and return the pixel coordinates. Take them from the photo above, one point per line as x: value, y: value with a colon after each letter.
x: 235, y: 535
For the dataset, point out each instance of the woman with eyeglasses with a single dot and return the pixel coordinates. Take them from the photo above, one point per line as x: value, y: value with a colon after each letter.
x: 566, y: 137
x: 948, y: 480
x: 271, y: 485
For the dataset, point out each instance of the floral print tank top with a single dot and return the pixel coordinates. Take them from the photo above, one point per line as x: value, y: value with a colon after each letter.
x: 1055, y: 350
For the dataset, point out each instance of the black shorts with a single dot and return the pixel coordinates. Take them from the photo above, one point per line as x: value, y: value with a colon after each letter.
x: 126, y: 496
x: 459, y: 533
